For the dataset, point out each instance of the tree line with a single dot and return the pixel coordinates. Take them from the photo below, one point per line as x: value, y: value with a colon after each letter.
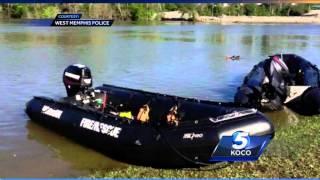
x: 147, y: 12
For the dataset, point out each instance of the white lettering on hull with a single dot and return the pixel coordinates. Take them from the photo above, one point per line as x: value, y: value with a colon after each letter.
x: 99, y: 127
x: 192, y: 136
x: 56, y: 113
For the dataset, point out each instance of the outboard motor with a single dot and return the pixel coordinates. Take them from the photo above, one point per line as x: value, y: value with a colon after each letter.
x: 76, y: 78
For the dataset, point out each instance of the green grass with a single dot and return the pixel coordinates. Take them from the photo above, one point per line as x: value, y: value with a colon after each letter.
x: 294, y: 152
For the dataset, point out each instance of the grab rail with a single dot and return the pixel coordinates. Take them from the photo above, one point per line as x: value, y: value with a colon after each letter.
x: 233, y: 115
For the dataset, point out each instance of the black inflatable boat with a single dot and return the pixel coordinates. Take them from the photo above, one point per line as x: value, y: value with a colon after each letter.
x: 282, y: 79
x: 189, y: 143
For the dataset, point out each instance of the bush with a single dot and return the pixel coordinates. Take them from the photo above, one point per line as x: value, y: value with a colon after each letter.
x: 49, y: 12
x: 17, y: 11
x: 299, y: 10
x: 186, y: 8
x: 249, y: 9
x: 139, y: 12
x: 170, y: 7
x: 217, y: 10
x: 262, y: 10
x: 204, y: 10
x: 232, y: 10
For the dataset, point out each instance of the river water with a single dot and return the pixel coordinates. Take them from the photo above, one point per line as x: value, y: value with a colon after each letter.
x: 173, y: 58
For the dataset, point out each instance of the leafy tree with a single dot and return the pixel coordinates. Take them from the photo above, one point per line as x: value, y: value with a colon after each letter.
x: 250, y: 9
x: 299, y: 10
x: 232, y: 10
x: 170, y: 7
x: 262, y: 10
x: 17, y: 11
x: 139, y: 12
x: 217, y: 10
x: 49, y: 11
x: 205, y: 10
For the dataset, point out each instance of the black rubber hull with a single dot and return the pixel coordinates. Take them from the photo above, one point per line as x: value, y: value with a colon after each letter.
x: 308, y: 103
x: 301, y: 73
x: 147, y: 145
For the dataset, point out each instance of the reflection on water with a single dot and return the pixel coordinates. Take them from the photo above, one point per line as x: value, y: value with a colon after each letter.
x: 157, y: 37
x: 66, y: 38
x: 283, y: 118
x: 180, y: 59
x: 82, y: 159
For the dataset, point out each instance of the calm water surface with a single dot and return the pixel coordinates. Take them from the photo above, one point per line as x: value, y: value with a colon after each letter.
x: 172, y: 58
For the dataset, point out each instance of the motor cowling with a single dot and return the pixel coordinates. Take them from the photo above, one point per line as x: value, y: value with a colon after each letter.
x: 77, y: 78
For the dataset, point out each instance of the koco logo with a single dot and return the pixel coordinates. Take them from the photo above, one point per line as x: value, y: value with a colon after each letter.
x: 240, y: 140
x: 240, y: 146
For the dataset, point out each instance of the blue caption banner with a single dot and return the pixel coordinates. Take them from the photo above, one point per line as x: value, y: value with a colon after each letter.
x: 75, y: 20
x: 68, y: 16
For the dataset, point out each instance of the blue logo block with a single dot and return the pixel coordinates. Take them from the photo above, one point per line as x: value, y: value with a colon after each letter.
x: 240, y: 147
x: 75, y: 20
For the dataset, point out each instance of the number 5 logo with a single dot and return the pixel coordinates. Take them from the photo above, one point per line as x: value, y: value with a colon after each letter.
x: 240, y: 140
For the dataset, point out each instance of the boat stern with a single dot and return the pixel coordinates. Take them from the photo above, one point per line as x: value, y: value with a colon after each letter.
x: 242, y: 137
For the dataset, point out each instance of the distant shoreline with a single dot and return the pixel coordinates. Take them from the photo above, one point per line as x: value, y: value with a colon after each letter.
x: 220, y: 20
x: 260, y: 19
x: 307, y: 19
